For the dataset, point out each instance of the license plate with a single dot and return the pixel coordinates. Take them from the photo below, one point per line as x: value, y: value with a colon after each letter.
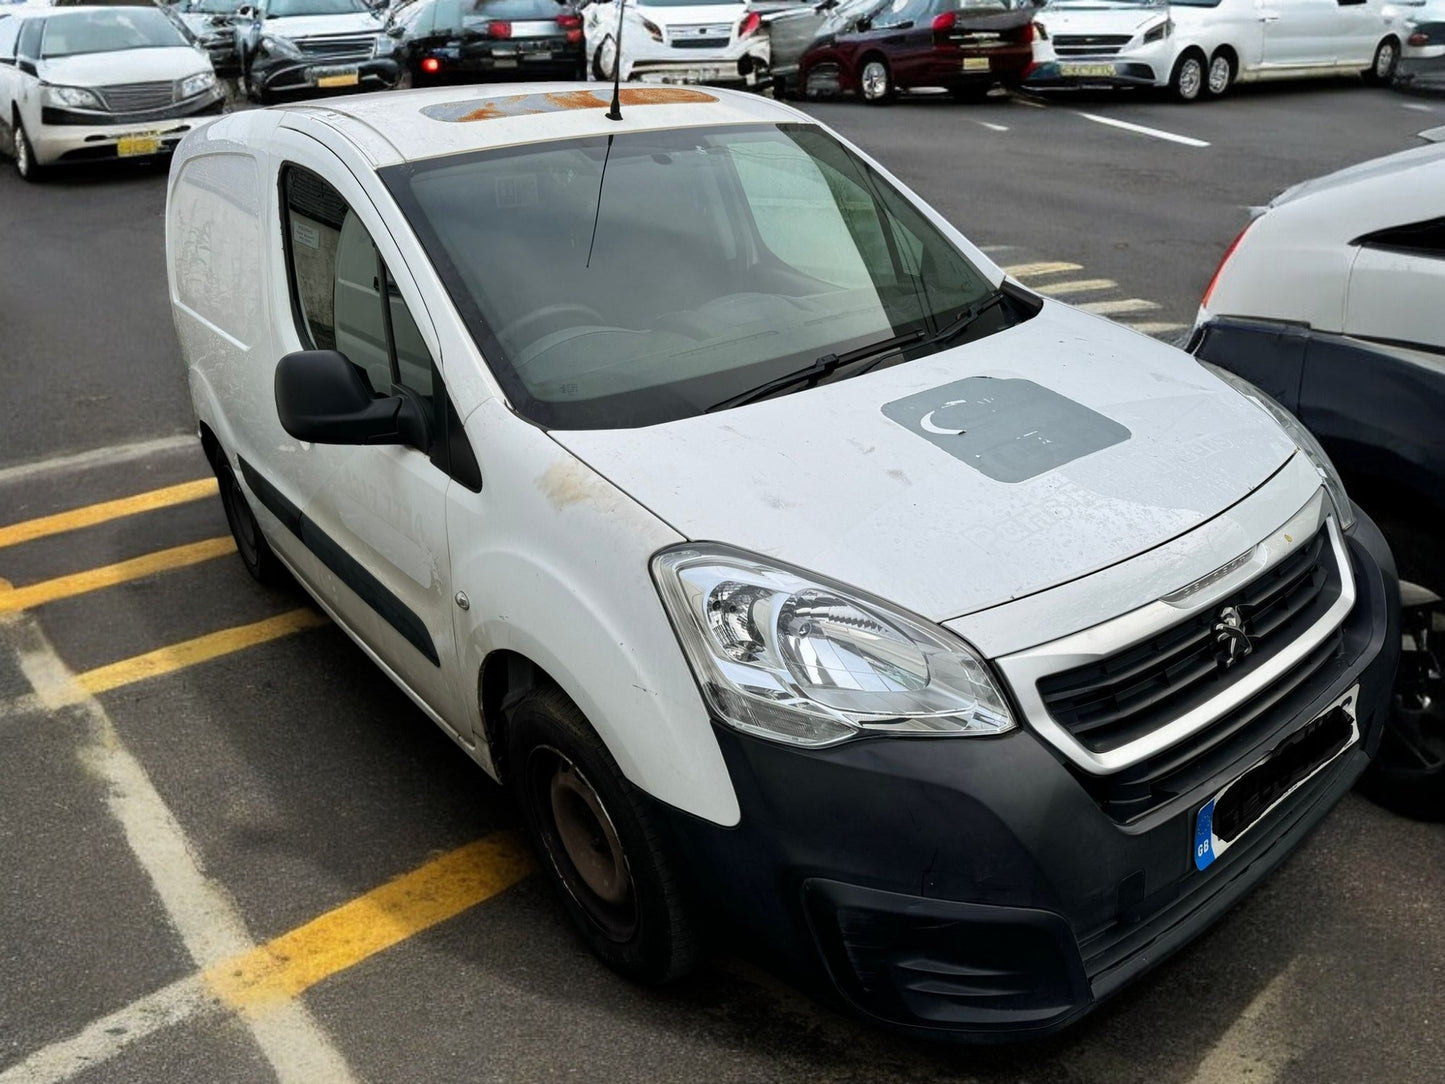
x: 129, y: 146
x: 540, y: 54
x: 1241, y: 805
x: 1087, y: 71
x: 975, y: 64
x: 500, y: 63
x: 338, y: 79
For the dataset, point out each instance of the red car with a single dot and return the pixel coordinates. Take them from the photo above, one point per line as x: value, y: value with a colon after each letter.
x: 965, y: 46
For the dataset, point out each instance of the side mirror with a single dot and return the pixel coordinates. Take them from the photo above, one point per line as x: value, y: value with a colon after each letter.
x: 321, y: 397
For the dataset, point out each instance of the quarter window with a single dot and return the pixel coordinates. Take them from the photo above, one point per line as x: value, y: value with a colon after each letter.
x: 30, y: 30
x: 9, y: 31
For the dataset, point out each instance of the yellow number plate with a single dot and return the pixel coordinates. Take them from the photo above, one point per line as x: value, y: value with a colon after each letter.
x: 975, y: 63
x: 1087, y: 71
x: 341, y: 79
x: 128, y: 146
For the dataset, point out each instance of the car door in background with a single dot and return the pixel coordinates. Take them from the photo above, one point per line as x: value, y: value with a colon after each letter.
x: 1299, y: 33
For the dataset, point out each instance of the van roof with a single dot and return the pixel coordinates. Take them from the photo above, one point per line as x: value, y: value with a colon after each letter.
x: 404, y: 126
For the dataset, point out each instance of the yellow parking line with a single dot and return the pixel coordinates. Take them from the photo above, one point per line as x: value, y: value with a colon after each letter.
x: 1029, y: 270
x: 79, y: 583
x: 167, y: 660
x: 1112, y: 308
x: 355, y: 931
x: 91, y: 514
x: 1076, y: 286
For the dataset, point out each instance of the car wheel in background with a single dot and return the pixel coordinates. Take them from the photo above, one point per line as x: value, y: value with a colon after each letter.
x: 1188, y: 79
x: 25, y: 163
x: 1220, y: 75
x: 875, y: 81
x: 251, y: 544
x: 1407, y: 775
x: 604, y: 60
x: 1382, y: 68
x: 596, y: 841
x: 820, y: 81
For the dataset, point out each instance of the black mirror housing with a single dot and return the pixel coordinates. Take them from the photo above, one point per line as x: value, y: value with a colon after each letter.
x: 321, y: 397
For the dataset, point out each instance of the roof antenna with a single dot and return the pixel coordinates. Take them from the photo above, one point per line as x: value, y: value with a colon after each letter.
x: 615, y: 113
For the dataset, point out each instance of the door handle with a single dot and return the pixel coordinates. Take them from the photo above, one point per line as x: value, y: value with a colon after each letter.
x: 1269, y: 18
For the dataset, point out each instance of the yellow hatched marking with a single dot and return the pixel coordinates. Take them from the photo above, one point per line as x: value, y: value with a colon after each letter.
x: 1030, y: 270
x: 355, y: 931
x: 36, y: 594
x: 91, y: 514
x: 1111, y: 308
x: 1076, y: 286
x: 167, y: 660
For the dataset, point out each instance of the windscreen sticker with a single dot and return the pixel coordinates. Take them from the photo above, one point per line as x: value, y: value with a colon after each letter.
x: 1008, y: 429
x: 524, y: 105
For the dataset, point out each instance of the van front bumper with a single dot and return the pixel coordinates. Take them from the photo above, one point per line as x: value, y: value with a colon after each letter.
x: 972, y: 888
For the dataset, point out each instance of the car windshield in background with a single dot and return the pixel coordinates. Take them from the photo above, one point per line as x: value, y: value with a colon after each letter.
x: 706, y: 263
x: 286, y: 9
x: 80, y: 32
x: 513, y: 9
x: 685, y: 3
x: 211, y: 7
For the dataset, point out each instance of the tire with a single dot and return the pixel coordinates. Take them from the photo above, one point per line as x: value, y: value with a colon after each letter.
x: 599, y: 72
x: 1382, y: 68
x: 251, y: 544
x: 1186, y: 83
x: 875, y: 81
x: 597, y: 842
x: 814, y: 80
x: 1219, y: 76
x: 1407, y: 775
x: 25, y: 164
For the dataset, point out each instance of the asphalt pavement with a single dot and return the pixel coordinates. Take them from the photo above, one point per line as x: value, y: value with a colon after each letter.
x: 231, y: 846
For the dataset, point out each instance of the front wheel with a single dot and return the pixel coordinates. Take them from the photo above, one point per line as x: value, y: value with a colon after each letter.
x: 597, y: 842
x: 251, y: 544
x: 604, y: 61
x: 25, y: 164
x: 1382, y: 68
x: 1221, y: 75
x: 875, y: 82
x: 1187, y: 81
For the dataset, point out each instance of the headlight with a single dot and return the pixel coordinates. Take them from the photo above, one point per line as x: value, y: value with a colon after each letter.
x: 801, y: 660
x: 1303, y: 438
x: 1159, y: 31
x: 279, y: 46
x: 72, y: 97
x: 197, y: 84
x: 385, y: 45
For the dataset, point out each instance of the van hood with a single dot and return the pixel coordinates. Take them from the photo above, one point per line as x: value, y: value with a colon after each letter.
x: 297, y: 27
x: 981, y: 474
x: 126, y: 66
x: 1099, y: 18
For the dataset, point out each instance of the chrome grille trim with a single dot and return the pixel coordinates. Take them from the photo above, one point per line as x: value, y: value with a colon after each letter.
x: 1023, y: 669
x: 137, y: 97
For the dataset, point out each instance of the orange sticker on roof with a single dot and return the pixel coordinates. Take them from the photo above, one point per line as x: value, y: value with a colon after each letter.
x: 522, y: 105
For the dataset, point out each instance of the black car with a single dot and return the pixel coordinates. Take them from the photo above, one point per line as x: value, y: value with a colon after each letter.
x: 483, y: 40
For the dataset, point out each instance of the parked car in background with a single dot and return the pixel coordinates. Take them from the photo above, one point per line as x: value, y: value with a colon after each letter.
x: 213, y: 23
x: 783, y: 34
x: 85, y: 84
x: 1200, y: 48
x: 474, y: 40
x: 668, y: 41
x: 1331, y: 301
x: 1422, y: 56
x: 309, y: 45
x: 964, y: 46
x: 551, y: 412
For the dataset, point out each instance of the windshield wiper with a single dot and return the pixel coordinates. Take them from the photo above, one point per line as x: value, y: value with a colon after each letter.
x: 966, y: 319
x: 823, y: 366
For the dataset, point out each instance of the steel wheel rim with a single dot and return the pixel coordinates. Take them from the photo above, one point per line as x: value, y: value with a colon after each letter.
x: 583, y: 844
x: 22, y: 152
x: 607, y: 57
x: 874, y: 80
x: 1219, y: 75
x: 1190, y: 79
x: 1384, y: 60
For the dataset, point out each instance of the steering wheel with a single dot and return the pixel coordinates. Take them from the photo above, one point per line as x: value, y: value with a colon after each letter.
x: 564, y: 314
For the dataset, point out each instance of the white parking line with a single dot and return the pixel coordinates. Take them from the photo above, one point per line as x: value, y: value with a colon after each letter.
x: 200, y: 910
x: 1419, y: 107
x: 1150, y: 328
x: 1113, y: 308
x: 1157, y: 133
x: 1033, y: 270
x: 994, y: 127
x: 98, y: 457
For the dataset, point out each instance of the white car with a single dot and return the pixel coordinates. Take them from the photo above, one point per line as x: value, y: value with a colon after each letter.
x: 1200, y: 48
x: 1331, y: 301
x: 798, y: 570
x: 671, y: 41
x: 87, y: 84
x: 1422, y: 57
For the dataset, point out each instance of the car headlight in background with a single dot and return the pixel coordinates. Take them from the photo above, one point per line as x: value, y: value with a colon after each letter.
x: 384, y: 45
x: 797, y: 659
x: 1159, y: 31
x: 197, y: 84
x: 71, y: 98
x: 1303, y: 438
x: 274, y: 46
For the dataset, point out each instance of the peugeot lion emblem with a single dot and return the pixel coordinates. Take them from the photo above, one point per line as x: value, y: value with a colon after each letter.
x: 1230, y: 635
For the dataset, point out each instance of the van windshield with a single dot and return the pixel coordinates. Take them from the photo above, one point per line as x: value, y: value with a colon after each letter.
x: 705, y: 264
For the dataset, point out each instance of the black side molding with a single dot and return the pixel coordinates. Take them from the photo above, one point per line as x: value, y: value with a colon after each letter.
x: 346, y: 567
